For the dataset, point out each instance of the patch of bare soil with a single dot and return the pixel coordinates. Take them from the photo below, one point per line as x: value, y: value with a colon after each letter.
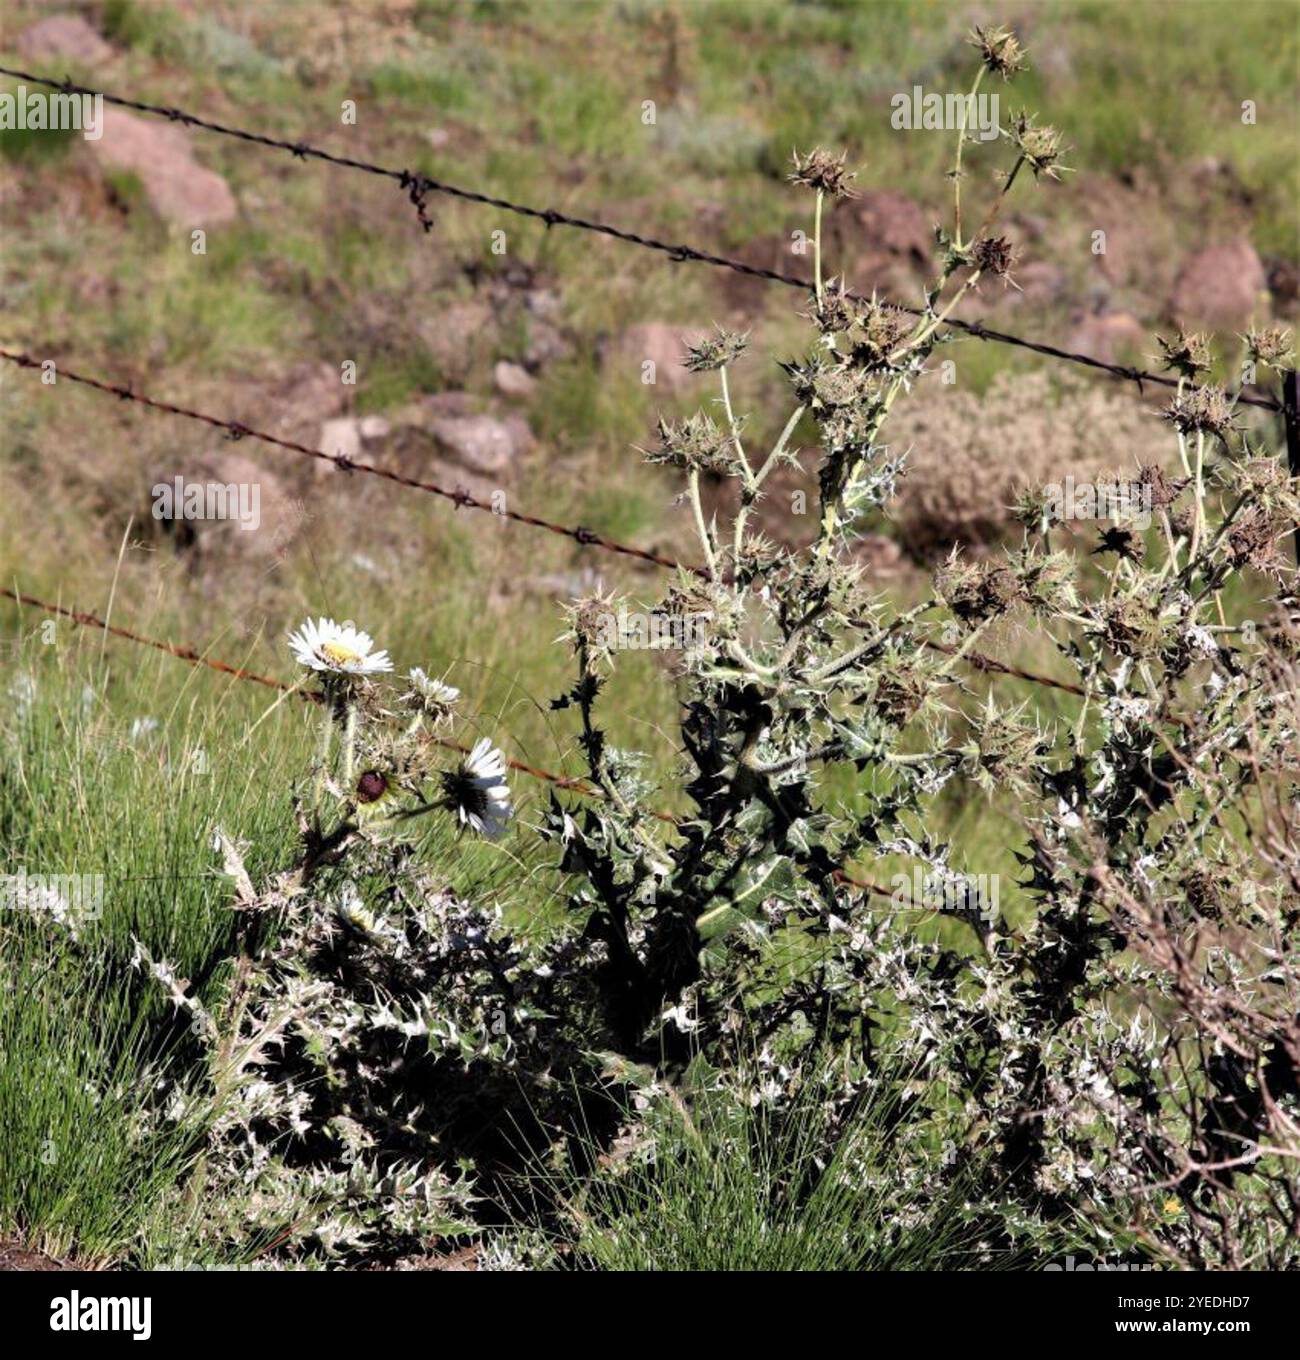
x: 15, y: 1256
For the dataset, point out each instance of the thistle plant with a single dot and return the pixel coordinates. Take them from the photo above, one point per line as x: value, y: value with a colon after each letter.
x: 1134, y: 1043
x: 1125, y: 1052
x: 799, y: 671
x: 322, y: 1049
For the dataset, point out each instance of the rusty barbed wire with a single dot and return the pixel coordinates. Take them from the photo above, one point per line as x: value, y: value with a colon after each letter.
x: 462, y: 499
x: 195, y: 657
x: 418, y: 186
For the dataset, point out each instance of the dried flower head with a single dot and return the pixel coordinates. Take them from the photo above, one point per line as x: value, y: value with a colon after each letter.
x: 1271, y: 346
x: 1122, y: 541
x: 697, y: 444
x: 590, y: 632
x: 1187, y: 353
x: 835, y: 309
x: 825, y: 172
x: 1158, y: 489
x: 433, y: 698
x: 976, y: 591
x: 999, y: 50
x: 716, y: 352
x: 877, y: 329
x: 1204, y: 410
x: 1253, y: 540
x: 997, y: 256
x: 1040, y: 146
x: 1130, y: 626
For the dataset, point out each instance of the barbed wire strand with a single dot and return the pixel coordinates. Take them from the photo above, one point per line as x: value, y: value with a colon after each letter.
x: 585, y: 537
x: 417, y: 186
x: 197, y: 658
x: 461, y: 498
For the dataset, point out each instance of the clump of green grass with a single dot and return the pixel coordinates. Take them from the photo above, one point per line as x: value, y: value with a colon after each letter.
x: 734, y: 1185
x: 85, y: 1155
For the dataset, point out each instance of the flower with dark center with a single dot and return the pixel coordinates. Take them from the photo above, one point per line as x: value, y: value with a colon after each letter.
x: 477, y: 792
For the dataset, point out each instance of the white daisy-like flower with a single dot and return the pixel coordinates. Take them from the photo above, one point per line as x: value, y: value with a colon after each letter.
x: 337, y: 647
x: 477, y: 790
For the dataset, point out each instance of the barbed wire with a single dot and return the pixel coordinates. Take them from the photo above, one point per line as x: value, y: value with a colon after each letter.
x: 418, y: 186
x: 461, y: 498
x: 197, y: 658
x: 585, y: 537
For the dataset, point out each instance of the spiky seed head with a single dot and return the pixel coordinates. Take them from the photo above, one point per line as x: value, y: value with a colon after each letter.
x: 1187, y: 353
x: 719, y: 350
x: 824, y: 171
x: 999, y: 50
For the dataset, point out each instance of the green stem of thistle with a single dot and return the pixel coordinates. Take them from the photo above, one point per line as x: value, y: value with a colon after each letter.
x: 967, y: 643
x: 1198, y: 527
x: 756, y: 479
x: 747, y: 471
x: 926, y: 328
x: 322, y: 756
x: 956, y: 169
x: 349, y: 744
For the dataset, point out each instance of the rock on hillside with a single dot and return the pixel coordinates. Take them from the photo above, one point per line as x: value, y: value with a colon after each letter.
x: 179, y: 189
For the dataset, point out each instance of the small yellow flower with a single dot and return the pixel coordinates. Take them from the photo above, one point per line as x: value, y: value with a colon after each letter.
x: 1172, y: 1207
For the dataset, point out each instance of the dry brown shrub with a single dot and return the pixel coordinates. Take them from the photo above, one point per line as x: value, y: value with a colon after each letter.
x: 968, y: 456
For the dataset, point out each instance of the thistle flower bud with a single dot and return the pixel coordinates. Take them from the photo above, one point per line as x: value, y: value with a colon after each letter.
x: 697, y: 444
x: 1272, y: 346
x: 1040, y: 146
x: 976, y: 591
x: 876, y: 331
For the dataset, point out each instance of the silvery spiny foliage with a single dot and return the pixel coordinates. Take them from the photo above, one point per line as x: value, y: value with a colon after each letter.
x: 1130, y: 1049
x: 361, y: 988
